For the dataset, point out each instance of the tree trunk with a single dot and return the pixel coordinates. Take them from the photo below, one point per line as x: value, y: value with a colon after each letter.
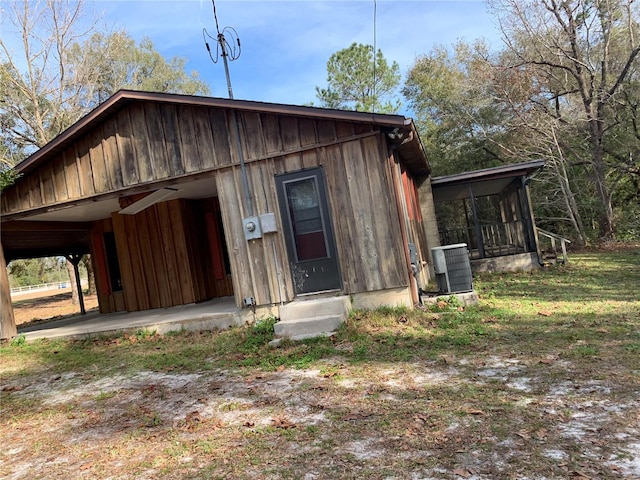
x: 7, y: 320
x: 605, y: 217
x: 88, y: 264
x: 72, y: 281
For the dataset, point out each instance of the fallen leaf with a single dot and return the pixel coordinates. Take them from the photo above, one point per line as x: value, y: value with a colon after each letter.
x: 282, y: 422
x: 281, y: 368
x: 86, y: 466
x: 12, y: 388
x: 545, y: 313
x: 541, y: 434
x: 462, y: 472
x: 473, y: 411
x: 420, y: 418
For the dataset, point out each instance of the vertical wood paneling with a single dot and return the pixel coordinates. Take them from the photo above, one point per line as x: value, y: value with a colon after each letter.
x: 341, y: 209
x: 307, y: 132
x: 24, y: 196
x: 190, y: 155
x: 129, y: 286
x: 111, y: 156
x: 172, y: 139
x: 147, y: 264
x: 46, y: 183
x: 168, y: 247
x: 59, y: 180
x: 140, y: 139
x: 309, y: 159
x: 326, y: 131
x: 271, y: 133
x: 159, y: 259
x: 35, y: 191
x: 10, y: 200
x: 281, y: 252
x: 221, y: 135
x: 204, y: 138
x: 72, y: 176
x: 128, y: 160
x: 344, y: 129
x: 369, y: 256
x: 384, y: 213
x: 156, y: 141
x: 253, y: 135
x: 290, y: 132
x: 234, y: 235
x: 181, y: 249
x: 261, y: 258
x: 293, y: 162
x: 101, y: 179
x: 84, y: 167
x: 137, y: 265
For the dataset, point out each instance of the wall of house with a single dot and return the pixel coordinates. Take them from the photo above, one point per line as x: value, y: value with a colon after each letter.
x: 146, y: 145
x: 365, y: 219
x: 166, y: 256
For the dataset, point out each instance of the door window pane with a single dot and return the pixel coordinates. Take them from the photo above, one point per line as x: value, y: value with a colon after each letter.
x: 306, y: 219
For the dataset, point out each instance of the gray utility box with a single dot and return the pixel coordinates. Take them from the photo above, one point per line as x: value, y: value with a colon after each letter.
x: 452, y: 268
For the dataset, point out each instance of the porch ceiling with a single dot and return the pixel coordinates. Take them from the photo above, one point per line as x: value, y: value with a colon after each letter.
x: 64, y: 229
x: 22, y: 239
x: 449, y: 193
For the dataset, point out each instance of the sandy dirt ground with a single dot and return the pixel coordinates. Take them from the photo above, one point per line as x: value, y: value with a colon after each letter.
x: 43, y: 306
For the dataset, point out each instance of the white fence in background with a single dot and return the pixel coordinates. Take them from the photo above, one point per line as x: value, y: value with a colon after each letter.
x: 43, y: 287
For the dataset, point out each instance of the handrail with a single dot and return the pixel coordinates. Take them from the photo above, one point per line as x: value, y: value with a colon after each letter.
x: 553, y: 237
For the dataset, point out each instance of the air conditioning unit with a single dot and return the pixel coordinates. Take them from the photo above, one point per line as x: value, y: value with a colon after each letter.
x: 452, y: 268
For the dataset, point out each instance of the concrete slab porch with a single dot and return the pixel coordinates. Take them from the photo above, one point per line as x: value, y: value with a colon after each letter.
x: 219, y: 313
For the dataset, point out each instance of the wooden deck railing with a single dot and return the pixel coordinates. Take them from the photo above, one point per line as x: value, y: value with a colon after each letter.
x: 553, y: 238
x: 497, y: 239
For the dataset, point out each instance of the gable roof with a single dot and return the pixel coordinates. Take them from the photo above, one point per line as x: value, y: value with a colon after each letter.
x: 411, y: 149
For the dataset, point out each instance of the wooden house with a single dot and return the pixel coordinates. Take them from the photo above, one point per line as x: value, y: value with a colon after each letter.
x: 180, y: 199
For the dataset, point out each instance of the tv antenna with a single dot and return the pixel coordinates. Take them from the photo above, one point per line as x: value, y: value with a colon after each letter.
x: 227, y: 46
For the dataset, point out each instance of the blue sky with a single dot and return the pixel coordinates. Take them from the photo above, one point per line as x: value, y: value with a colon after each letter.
x: 286, y: 44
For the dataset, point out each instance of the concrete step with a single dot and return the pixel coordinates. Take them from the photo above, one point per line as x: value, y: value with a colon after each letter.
x: 315, y: 307
x: 308, y: 327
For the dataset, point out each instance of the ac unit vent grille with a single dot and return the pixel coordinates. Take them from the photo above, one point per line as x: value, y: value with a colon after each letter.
x: 453, y: 268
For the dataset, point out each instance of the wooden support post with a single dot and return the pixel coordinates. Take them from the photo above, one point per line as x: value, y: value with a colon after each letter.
x: 476, y: 221
x: 75, y: 260
x: 8, y: 328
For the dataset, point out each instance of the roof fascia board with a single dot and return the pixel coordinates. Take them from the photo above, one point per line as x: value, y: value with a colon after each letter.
x: 489, y: 173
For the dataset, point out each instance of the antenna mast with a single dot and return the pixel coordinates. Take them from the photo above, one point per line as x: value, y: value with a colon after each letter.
x: 227, y: 46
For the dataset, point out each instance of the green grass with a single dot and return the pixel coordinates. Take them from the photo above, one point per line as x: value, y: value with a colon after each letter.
x: 572, y: 327
x: 562, y: 309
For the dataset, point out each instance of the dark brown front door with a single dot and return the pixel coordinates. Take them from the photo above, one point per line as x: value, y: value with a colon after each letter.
x: 308, y: 231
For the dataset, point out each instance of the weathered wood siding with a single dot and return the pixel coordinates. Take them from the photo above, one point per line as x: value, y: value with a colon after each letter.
x: 146, y: 145
x: 164, y: 258
x: 362, y: 207
x: 148, y: 142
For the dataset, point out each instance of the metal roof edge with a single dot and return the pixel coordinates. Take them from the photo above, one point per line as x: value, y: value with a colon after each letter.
x: 478, y: 175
